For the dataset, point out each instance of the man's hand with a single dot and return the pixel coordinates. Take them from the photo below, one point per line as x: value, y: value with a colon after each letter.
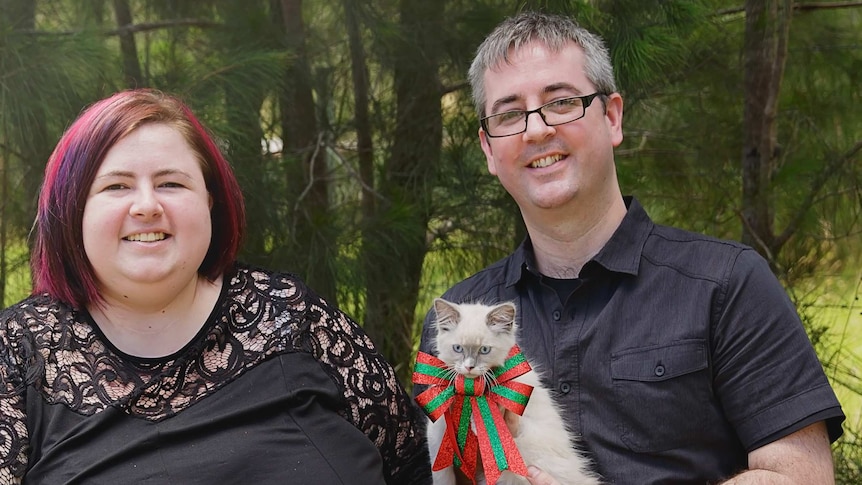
x: 534, y: 475
x: 538, y: 477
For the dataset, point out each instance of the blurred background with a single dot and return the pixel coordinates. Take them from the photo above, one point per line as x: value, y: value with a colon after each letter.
x: 350, y: 126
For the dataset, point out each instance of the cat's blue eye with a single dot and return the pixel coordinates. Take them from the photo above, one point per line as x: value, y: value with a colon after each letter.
x: 484, y: 349
x: 457, y: 348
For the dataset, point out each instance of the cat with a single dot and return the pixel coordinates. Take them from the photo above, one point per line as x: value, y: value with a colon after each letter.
x: 472, y: 339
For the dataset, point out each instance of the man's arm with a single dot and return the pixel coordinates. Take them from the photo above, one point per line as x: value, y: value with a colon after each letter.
x: 800, y: 458
x: 803, y: 457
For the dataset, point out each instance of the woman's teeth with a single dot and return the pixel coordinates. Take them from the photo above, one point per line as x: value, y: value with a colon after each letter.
x: 147, y: 237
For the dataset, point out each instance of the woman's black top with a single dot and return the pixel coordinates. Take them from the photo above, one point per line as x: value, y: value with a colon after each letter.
x: 277, y: 387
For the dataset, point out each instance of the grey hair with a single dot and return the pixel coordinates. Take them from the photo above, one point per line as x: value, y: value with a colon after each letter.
x: 554, y: 32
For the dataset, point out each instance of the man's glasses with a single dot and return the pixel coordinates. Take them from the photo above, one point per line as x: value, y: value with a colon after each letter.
x: 555, y: 113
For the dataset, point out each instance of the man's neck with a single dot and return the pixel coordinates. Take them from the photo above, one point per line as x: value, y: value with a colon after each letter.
x: 563, y: 245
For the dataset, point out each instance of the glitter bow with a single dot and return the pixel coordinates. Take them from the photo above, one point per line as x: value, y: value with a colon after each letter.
x: 461, y: 400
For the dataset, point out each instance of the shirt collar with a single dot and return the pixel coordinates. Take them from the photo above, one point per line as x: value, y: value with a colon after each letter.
x: 621, y: 254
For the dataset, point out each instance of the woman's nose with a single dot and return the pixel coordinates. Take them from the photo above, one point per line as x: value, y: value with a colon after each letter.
x: 146, y: 204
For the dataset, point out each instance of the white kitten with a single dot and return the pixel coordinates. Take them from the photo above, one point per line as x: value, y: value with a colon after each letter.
x: 472, y: 339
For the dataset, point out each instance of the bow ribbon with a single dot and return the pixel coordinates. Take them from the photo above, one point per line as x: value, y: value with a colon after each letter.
x: 465, y: 400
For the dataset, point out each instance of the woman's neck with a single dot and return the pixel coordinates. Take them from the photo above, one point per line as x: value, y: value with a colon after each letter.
x: 160, y: 324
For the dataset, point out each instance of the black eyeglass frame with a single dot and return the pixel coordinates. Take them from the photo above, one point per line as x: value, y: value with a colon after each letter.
x: 585, y: 100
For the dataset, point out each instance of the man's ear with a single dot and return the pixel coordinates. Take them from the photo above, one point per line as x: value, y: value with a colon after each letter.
x: 614, y: 117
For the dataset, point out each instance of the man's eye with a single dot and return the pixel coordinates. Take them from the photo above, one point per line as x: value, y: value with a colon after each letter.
x: 563, y: 105
x: 510, y: 117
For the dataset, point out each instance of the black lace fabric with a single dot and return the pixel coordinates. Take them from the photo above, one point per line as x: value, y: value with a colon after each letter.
x: 45, y: 344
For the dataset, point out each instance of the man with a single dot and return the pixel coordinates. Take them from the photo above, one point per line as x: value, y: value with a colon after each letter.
x: 677, y: 358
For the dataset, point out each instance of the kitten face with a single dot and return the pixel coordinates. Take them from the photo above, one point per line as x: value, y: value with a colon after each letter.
x: 473, y: 338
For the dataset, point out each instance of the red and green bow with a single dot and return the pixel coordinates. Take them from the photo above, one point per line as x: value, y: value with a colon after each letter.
x: 463, y: 398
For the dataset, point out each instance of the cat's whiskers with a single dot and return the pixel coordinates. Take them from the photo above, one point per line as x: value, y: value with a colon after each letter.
x: 451, y: 374
x: 490, y: 379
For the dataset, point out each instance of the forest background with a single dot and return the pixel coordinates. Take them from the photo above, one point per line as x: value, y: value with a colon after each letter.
x: 350, y: 127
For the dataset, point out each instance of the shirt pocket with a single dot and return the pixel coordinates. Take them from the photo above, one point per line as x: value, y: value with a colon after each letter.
x: 662, y: 395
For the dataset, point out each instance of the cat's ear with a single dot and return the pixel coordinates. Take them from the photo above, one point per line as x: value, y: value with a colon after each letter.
x: 447, y: 314
x: 501, y: 318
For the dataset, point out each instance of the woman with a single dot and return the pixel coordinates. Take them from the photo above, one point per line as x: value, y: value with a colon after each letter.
x: 147, y: 354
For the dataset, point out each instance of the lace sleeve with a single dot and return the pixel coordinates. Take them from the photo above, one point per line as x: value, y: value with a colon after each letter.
x: 376, y: 402
x: 13, y: 418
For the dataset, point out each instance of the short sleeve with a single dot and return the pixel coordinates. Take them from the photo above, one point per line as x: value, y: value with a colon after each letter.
x: 767, y: 374
x: 376, y: 403
x: 13, y: 418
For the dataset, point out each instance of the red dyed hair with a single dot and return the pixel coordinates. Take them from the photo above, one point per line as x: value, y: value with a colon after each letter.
x: 59, y: 264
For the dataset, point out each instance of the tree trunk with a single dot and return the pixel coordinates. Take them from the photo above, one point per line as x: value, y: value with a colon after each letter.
x: 242, y: 110
x: 131, y: 64
x: 364, y: 142
x: 767, y: 27
x: 313, y: 251
x: 394, y: 243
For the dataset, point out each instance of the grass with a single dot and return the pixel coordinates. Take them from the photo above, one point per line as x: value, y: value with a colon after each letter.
x: 835, y: 319
x: 839, y: 312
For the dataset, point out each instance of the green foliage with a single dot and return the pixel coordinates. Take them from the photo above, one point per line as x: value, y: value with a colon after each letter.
x: 45, y: 79
x: 847, y: 456
x: 831, y: 311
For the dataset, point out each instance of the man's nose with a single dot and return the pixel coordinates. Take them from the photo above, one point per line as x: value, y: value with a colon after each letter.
x: 537, y: 129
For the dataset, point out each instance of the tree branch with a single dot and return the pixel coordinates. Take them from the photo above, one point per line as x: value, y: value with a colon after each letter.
x: 8, y: 150
x: 163, y: 24
x: 133, y: 28
x: 816, y: 186
x: 758, y: 242
x: 803, y: 7
x: 826, y: 5
x: 451, y: 88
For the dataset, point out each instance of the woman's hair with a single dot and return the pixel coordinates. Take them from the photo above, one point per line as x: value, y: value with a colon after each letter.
x: 555, y: 32
x: 59, y: 264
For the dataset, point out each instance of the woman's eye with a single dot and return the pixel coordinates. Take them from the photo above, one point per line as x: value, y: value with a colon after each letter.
x: 116, y: 187
x: 171, y: 185
x: 484, y: 349
x: 457, y: 348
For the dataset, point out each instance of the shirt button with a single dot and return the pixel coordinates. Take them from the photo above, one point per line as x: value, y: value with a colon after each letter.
x: 565, y: 387
x: 557, y: 315
x: 659, y: 370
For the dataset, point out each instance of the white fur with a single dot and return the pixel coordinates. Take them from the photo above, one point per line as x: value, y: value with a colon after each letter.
x: 542, y: 436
